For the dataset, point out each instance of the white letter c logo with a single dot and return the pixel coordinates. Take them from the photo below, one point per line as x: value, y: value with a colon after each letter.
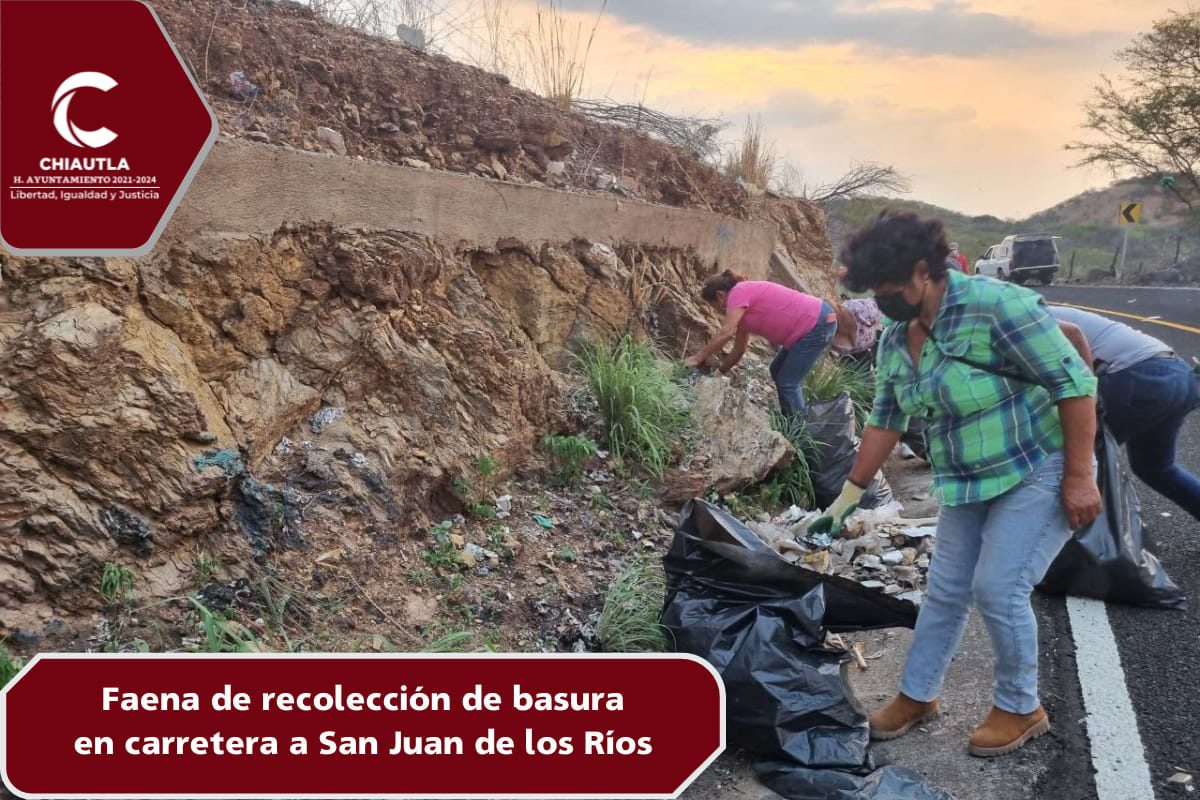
x: 62, y: 100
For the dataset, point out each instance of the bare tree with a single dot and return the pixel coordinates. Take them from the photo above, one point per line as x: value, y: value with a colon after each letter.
x: 863, y: 178
x: 696, y: 134
x: 1147, y: 122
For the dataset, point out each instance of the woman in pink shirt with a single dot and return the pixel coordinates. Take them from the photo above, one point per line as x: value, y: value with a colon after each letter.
x: 802, y: 326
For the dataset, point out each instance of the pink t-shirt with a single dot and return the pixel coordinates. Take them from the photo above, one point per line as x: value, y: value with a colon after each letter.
x: 777, y: 313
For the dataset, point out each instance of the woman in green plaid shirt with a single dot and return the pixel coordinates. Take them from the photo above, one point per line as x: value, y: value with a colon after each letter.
x: 1011, y: 421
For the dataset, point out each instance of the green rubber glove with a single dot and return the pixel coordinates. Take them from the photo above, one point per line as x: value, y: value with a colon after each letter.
x: 834, y: 518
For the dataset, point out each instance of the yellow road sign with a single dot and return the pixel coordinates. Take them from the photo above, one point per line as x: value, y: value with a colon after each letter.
x: 1130, y: 213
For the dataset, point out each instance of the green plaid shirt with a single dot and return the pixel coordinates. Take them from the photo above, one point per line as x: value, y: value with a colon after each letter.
x: 986, y: 432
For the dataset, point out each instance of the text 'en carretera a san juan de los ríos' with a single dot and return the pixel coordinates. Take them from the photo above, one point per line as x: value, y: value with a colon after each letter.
x: 399, y: 743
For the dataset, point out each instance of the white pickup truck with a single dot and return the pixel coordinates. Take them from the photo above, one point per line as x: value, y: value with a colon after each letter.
x: 1021, y: 257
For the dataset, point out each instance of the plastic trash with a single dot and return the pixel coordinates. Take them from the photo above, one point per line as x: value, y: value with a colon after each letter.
x: 831, y: 425
x: 241, y: 86
x: 715, y: 555
x: 761, y: 622
x: 1107, y: 559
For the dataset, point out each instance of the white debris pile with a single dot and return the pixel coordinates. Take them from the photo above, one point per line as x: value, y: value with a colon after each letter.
x: 877, y: 547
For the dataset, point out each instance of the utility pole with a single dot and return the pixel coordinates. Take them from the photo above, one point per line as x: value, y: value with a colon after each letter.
x: 1124, y: 248
x: 1130, y: 214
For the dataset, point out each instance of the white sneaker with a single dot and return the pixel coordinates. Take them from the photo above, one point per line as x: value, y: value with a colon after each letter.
x: 906, y: 452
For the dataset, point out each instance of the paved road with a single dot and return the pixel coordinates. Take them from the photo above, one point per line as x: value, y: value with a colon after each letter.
x: 1159, y: 650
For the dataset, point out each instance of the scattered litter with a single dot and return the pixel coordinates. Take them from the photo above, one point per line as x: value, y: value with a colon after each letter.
x: 504, y: 506
x: 859, y: 658
x: 819, y: 540
x: 241, y: 86
x: 324, y: 418
x: 228, y: 460
x: 359, y: 460
x: 793, y: 515
x: 543, y: 521
x: 1164, y: 513
x: 413, y: 37
x: 869, y: 561
x: 1182, y: 781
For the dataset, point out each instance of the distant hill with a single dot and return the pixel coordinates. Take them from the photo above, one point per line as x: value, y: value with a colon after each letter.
x: 1086, y: 222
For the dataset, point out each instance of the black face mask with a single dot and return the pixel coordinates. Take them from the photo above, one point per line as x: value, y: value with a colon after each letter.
x: 896, y: 307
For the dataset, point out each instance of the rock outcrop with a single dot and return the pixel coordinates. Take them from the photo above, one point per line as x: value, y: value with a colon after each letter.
x: 238, y: 391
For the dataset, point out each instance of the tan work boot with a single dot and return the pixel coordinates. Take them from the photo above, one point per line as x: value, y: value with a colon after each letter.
x: 899, y: 716
x: 1002, y: 732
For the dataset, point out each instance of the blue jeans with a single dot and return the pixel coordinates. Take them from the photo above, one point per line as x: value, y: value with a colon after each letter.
x: 792, y: 364
x: 1144, y: 406
x: 993, y: 552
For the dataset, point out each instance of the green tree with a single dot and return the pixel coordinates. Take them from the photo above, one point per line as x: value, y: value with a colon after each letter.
x: 1147, y: 121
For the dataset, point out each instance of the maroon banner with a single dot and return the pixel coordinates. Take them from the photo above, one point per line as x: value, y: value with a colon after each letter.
x: 101, y: 127
x: 359, y: 726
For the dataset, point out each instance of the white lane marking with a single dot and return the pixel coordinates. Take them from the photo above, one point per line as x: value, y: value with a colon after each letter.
x: 1087, y: 287
x: 1117, y: 752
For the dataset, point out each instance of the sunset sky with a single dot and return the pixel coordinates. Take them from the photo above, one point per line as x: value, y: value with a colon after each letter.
x: 973, y: 99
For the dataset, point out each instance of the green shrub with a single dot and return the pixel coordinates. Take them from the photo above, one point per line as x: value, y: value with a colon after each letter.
x: 632, y: 607
x: 477, y: 491
x: 116, y: 582
x: 830, y: 377
x: 10, y: 665
x: 568, y: 455
x: 791, y: 485
x: 643, y: 411
x: 223, y: 635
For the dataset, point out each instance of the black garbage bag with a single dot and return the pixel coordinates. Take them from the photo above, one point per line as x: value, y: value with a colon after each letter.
x: 831, y: 426
x: 1107, y: 559
x: 885, y: 783
x: 720, y: 558
x: 785, y: 694
x: 761, y: 623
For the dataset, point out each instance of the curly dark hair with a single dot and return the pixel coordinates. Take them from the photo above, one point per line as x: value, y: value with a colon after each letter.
x: 886, y: 249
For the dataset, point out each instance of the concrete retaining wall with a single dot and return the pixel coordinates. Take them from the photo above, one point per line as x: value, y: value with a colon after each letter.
x: 251, y: 188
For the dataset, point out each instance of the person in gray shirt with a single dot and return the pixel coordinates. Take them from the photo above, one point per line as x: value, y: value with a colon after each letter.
x: 1146, y: 391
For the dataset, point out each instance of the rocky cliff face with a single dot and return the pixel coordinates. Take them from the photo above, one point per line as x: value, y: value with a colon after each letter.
x: 238, y: 393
